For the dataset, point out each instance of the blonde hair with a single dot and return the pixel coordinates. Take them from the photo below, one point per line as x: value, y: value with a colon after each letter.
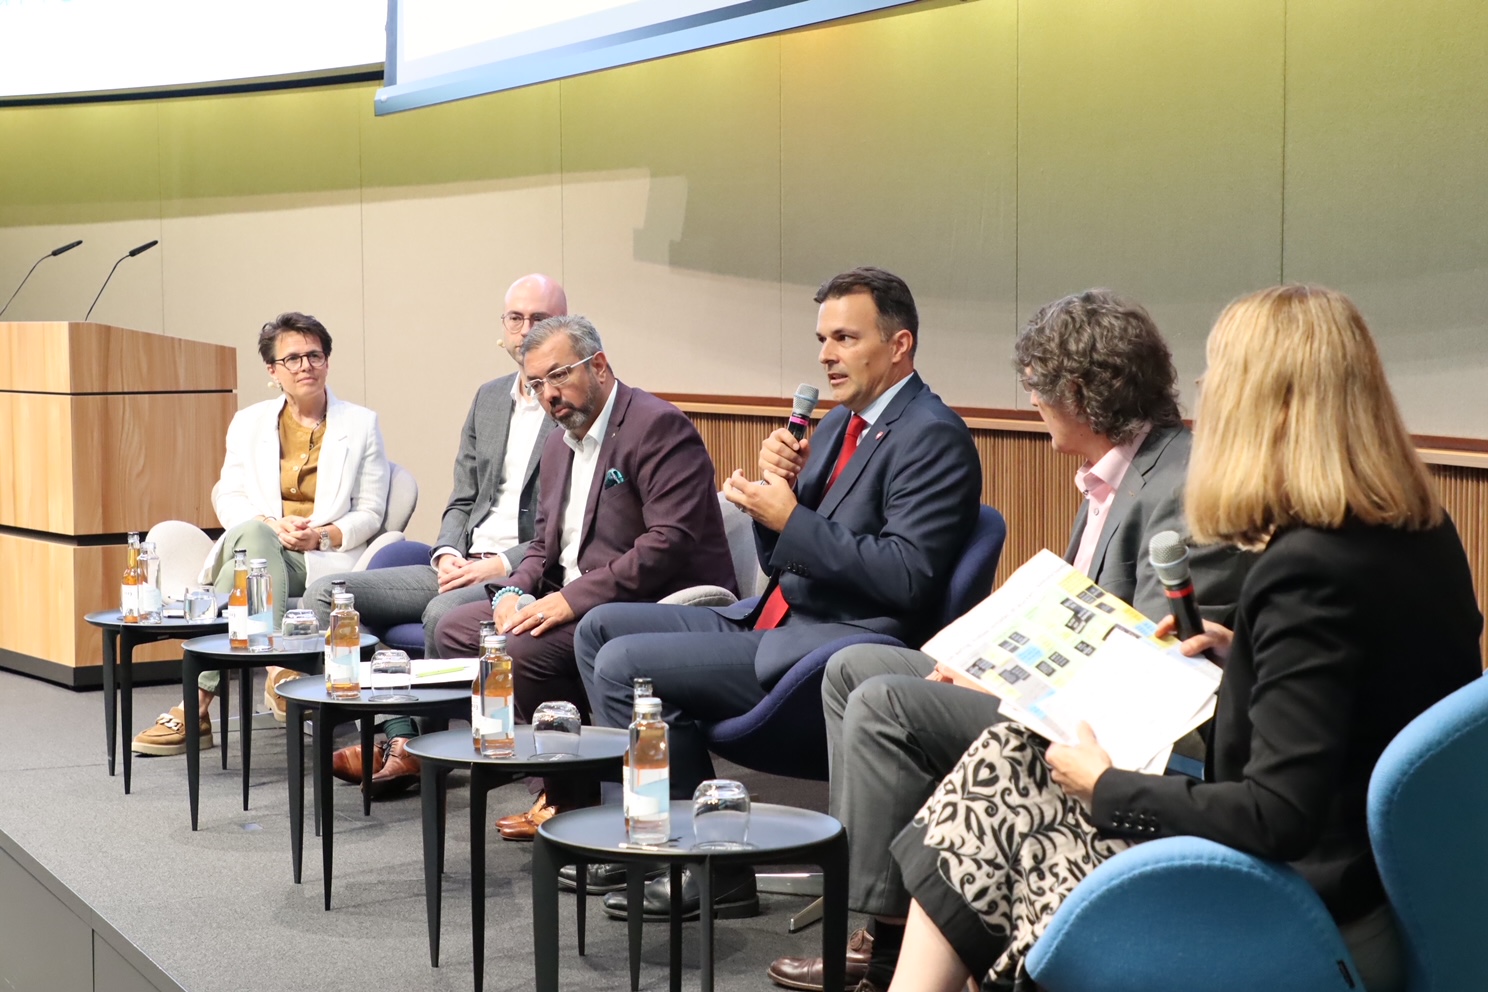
x: 1297, y: 425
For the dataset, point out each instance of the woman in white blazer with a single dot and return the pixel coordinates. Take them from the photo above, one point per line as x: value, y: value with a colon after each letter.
x: 304, y: 486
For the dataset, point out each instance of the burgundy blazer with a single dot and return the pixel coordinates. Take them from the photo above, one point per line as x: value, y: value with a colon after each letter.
x: 654, y: 532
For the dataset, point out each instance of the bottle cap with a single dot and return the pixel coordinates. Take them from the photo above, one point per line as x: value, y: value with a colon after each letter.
x: 258, y: 563
x: 494, y: 640
x: 343, y: 599
x: 148, y: 546
x: 648, y: 706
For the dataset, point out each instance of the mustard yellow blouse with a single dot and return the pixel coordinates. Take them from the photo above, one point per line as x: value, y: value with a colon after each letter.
x: 299, y: 454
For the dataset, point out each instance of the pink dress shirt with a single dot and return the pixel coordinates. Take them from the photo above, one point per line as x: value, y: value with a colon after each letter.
x: 1099, y: 483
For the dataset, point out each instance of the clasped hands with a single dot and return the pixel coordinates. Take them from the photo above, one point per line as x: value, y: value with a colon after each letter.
x: 455, y: 572
x: 1076, y: 767
x: 295, y: 533
x: 770, y: 503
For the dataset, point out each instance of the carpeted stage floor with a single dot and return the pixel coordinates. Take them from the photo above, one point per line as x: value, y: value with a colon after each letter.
x: 218, y: 909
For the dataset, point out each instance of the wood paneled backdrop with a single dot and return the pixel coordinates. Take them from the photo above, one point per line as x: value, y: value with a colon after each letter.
x: 1034, y: 488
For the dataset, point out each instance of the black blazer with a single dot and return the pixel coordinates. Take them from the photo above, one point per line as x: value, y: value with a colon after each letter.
x: 1342, y: 638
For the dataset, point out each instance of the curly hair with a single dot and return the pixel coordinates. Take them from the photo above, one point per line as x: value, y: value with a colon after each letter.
x: 1102, y: 358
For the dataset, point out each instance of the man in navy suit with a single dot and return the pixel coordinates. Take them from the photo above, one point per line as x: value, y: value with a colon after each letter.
x: 858, y: 529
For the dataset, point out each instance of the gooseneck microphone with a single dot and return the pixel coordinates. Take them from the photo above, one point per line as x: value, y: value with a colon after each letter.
x: 128, y: 254
x: 801, y: 406
x: 51, y: 254
x: 1169, y: 557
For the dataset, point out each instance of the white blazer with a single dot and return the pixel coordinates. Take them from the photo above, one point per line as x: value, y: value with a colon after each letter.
x: 351, y: 483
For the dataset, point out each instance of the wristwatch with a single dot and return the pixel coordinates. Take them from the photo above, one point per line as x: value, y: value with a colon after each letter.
x: 325, y: 539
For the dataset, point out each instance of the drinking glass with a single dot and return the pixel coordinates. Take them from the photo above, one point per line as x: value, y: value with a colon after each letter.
x: 300, y: 632
x: 201, y: 604
x: 720, y: 815
x: 391, y: 680
x: 555, y: 729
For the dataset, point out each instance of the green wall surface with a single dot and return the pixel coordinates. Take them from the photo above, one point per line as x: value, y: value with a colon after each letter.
x: 997, y: 153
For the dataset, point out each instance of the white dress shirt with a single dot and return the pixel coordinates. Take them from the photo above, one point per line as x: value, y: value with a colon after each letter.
x: 875, y: 409
x: 499, y: 530
x: 585, y: 461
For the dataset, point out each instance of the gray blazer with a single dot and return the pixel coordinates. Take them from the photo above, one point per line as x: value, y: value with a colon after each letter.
x: 478, y: 468
x: 1150, y: 500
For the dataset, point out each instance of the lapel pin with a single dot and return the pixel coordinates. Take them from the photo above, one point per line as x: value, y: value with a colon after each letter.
x: 879, y: 435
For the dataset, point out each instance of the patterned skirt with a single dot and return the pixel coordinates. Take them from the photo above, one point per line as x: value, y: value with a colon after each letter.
x: 994, y: 851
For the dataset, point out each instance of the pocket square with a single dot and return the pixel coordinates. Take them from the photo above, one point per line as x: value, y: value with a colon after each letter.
x: 613, y: 478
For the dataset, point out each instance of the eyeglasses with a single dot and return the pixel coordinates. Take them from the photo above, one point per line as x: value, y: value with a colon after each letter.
x: 293, y: 363
x: 557, y: 377
x: 515, y: 321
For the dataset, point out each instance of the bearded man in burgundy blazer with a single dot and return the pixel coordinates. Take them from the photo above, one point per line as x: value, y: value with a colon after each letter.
x: 629, y: 513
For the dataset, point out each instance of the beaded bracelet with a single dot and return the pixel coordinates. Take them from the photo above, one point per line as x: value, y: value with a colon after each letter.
x: 503, y: 592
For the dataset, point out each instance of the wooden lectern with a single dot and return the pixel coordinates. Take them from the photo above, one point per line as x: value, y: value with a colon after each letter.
x: 103, y: 430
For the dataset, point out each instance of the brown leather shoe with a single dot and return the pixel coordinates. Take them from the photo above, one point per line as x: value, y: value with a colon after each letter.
x: 526, y: 828
x: 346, y: 764
x: 399, y: 772
x: 806, y: 973
x: 517, y: 819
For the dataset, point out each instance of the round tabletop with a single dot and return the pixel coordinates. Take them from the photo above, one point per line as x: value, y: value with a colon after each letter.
x: 216, y: 646
x: 599, y: 748
x: 177, y: 626
x: 599, y: 831
x: 311, y: 690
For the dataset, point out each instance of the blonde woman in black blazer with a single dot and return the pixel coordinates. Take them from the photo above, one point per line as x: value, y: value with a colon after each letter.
x: 1358, y: 614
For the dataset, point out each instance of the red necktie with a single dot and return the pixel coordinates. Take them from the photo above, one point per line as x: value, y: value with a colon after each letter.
x: 776, y: 607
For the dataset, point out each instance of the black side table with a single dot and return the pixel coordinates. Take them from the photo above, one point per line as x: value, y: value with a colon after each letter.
x: 599, y: 749
x: 119, y: 641
x: 206, y: 654
x: 777, y: 835
x: 309, y: 695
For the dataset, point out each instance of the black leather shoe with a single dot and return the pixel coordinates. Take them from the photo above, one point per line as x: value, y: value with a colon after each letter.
x: 734, y: 897
x: 601, y: 878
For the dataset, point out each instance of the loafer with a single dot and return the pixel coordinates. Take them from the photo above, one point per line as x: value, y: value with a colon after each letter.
x: 806, y: 973
x: 734, y: 897
x: 346, y: 763
x: 526, y: 826
x: 517, y: 819
x: 399, y: 772
x: 601, y: 878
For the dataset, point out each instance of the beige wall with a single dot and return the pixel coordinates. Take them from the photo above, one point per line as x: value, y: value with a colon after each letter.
x: 997, y: 153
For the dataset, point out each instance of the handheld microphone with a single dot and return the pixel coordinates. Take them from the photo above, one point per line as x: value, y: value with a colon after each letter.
x: 801, y: 406
x: 129, y: 254
x: 1169, y: 556
x: 51, y: 254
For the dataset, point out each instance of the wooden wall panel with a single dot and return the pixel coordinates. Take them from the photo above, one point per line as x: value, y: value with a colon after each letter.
x: 146, y: 457
x: 1034, y: 487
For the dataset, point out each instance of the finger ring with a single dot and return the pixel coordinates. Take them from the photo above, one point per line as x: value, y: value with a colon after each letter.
x: 542, y: 616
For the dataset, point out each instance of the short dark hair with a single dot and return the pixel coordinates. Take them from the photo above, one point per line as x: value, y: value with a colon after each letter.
x: 1100, y: 357
x: 292, y: 322
x: 891, y: 296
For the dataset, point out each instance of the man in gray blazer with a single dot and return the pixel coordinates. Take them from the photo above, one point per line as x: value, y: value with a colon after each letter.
x: 1102, y: 379
x: 487, y: 525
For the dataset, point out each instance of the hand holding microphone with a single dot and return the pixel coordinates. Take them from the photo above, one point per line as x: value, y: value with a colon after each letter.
x: 784, y: 452
x: 1169, y: 557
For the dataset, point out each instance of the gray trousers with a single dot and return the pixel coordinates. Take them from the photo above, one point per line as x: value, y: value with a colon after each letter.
x: 386, y: 597
x: 286, y: 574
x: 892, y: 736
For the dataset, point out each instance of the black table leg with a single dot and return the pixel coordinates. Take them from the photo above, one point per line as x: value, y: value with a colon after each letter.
x: 224, y: 703
x: 294, y: 748
x: 480, y: 784
x: 581, y: 890
x: 126, y: 709
x: 110, y: 701
x: 674, y: 953
x: 190, y: 671
x: 544, y: 916
x: 245, y: 725
x: 441, y: 788
x: 635, y: 885
x: 834, y: 911
x: 705, y: 918
x: 325, y: 719
x: 367, y: 724
x: 429, y: 801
